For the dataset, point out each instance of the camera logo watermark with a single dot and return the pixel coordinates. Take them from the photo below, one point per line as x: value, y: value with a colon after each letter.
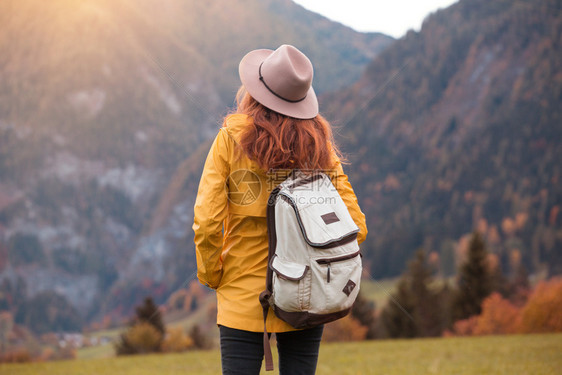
x: 276, y: 176
x: 243, y: 187
x: 305, y: 201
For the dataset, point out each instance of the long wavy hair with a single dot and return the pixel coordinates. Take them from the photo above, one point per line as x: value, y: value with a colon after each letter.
x: 276, y: 141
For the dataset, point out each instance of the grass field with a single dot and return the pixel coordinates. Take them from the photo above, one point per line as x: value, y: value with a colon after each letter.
x: 491, y: 355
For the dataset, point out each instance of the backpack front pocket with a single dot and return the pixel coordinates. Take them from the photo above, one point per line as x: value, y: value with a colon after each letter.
x: 340, y: 277
x: 291, y: 285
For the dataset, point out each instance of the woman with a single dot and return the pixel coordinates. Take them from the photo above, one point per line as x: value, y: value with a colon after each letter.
x: 275, y: 129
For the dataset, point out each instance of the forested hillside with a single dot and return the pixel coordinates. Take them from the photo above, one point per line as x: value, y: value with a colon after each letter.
x: 458, y: 128
x: 104, y: 108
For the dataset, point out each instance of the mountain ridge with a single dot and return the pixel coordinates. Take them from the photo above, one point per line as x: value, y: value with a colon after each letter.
x: 102, y: 103
x: 448, y: 130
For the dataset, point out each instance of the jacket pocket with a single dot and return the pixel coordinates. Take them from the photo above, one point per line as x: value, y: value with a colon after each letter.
x: 291, y: 285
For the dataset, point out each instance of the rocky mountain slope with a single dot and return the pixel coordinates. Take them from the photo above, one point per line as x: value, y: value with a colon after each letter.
x: 101, y: 104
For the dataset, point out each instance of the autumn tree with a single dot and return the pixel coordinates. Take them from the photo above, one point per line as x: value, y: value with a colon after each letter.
x: 541, y: 313
x: 148, y: 312
x: 519, y: 283
x: 474, y: 281
x: 499, y: 283
x: 499, y: 316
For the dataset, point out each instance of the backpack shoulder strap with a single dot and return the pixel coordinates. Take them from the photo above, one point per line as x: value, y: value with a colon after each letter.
x: 266, y: 294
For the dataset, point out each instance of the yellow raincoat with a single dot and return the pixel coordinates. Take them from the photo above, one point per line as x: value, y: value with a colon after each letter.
x: 231, y: 232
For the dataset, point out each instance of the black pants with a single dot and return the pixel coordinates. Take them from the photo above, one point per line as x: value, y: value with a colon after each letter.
x: 242, y: 351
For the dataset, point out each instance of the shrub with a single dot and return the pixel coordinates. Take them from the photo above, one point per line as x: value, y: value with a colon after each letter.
x: 463, y: 327
x: 19, y: 355
x: 345, y: 329
x: 146, y: 331
x: 176, y: 341
x: 499, y: 316
x: 51, y: 353
x: 144, y: 338
x: 541, y: 313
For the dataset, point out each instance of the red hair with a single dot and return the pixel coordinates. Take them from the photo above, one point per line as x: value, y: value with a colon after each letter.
x: 276, y: 141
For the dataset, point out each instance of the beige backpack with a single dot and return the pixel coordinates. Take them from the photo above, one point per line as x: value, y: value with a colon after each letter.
x: 314, y: 270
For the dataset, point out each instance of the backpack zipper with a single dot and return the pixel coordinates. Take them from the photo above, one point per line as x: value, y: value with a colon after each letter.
x: 329, y: 261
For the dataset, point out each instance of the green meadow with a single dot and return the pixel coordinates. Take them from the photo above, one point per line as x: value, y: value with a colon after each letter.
x: 490, y: 355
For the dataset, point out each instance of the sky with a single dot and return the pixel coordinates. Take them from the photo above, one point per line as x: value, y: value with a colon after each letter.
x: 391, y: 17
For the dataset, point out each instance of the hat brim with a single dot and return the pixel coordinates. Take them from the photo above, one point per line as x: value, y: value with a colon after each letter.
x: 249, y: 75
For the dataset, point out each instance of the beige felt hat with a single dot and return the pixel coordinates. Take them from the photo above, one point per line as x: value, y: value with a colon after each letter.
x: 281, y: 80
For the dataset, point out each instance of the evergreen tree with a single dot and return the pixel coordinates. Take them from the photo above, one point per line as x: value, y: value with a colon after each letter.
x: 135, y: 339
x: 427, y: 312
x: 397, y: 316
x: 415, y: 310
x: 364, y: 311
x: 474, y: 282
x: 148, y: 312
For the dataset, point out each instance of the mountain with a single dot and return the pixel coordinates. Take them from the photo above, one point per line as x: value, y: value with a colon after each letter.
x: 459, y: 128
x: 106, y: 108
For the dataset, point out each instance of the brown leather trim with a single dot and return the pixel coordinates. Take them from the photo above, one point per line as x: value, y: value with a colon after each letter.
x: 348, y: 288
x: 285, y: 277
x: 305, y: 181
x: 330, y: 218
x: 266, y: 344
x: 266, y: 294
x: 342, y: 241
x: 350, y: 237
x: 302, y: 320
x: 272, y: 235
x: 338, y: 259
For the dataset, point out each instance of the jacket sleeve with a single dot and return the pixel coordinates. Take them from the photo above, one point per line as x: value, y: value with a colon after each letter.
x: 341, y: 182
x: 210, y: 211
